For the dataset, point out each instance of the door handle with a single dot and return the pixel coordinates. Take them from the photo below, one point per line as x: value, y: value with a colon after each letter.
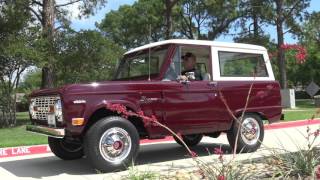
x: 212, y: 84
x: 144, y: 99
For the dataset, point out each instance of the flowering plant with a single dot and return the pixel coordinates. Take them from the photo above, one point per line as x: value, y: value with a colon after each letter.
x: 122, y: 110
x: 302, y: 163
x: 300, y: 53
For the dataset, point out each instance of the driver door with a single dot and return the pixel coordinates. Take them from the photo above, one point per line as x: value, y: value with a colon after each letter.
x: 193, y: 106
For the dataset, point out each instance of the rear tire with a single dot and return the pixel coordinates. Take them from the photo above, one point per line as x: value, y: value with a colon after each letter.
x: 250, y: 135
x: 111, y: 144
x: 189, y: 140
x: 65, y: 150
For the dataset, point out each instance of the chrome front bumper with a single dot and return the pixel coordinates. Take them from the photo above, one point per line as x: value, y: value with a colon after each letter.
x: 53, y: 132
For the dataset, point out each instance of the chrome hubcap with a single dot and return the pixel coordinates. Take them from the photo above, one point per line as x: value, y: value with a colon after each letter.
x: 115, y: 145
x: 250, y: 131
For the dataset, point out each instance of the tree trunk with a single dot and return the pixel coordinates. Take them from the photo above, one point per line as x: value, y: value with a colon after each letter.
x: 168, y: 19
x: 13, y: 109
x: 48, y: 34
x: 281, y: 55
x: 47, y: 77
x: 255, y: 26
x: 2, y: 118
x: 168, y: 13
x: 255, y: 18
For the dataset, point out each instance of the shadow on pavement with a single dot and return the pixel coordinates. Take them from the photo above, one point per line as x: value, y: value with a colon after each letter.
x: 46, y: 166
x: 170, y: 152
x: 53, y: 166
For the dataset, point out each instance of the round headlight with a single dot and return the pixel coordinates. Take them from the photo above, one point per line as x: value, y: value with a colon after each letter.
x: 58, y: 110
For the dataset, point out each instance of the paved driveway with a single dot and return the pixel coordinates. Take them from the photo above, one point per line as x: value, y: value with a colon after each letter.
x: 159, y: 156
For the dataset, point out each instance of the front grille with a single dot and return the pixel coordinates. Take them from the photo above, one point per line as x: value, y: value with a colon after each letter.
x: 43, y: 104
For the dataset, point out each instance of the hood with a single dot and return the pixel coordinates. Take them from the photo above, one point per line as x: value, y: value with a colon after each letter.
x: 89, y: 88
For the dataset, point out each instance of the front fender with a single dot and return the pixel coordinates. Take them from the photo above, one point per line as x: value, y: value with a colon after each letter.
x: 87, y: 110
x: 102, y: 104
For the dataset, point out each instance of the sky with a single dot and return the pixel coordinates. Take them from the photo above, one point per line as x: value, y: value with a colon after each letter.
x: 89, y: 23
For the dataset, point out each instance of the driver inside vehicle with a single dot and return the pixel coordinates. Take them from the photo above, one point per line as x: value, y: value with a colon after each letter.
x: 190, y: 71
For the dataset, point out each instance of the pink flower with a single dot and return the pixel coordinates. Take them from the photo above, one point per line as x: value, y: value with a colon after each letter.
x: 193, y: 154
x: 119, y: 108
x: 140, y: 113
x: 301, y: 51
x: 218, y: 151
x: 221, y: 177
x: 154, y: 118
x: 122, y: 110
x: 318, y: 172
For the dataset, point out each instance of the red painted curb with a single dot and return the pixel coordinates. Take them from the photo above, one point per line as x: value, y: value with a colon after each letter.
x: 291, y: 124
x: 23, y: 150
x: 147, y: 141
x: 42, y: 149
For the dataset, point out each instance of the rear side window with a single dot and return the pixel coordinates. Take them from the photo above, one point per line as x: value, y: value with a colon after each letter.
x: 238, y: 64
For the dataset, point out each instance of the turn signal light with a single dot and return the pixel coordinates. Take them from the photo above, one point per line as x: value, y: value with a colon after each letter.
x: 77, y: 121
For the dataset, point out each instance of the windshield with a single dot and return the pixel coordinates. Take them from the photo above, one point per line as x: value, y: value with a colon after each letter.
x: 137, y: 66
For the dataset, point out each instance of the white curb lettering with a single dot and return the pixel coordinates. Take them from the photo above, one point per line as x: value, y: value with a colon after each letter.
x: 20, y: 150
x: 3, y: 152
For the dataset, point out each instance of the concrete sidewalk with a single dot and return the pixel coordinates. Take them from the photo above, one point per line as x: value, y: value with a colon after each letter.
x: 158, y: 157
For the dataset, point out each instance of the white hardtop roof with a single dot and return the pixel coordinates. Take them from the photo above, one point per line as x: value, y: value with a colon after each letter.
x: 199, y: 42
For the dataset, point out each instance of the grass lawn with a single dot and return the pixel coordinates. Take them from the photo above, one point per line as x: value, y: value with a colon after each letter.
x: 299, y: 115
x: 305, y: 109
x: 18, y: 136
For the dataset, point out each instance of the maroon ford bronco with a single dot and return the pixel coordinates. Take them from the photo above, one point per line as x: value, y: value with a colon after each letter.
x: 187, y: 85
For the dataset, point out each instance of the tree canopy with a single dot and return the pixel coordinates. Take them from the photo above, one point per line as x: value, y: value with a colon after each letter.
x: 86, y: 56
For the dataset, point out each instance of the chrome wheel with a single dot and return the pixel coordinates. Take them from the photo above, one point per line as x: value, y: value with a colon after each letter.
x: 250, y: 131
x: 115, y: 145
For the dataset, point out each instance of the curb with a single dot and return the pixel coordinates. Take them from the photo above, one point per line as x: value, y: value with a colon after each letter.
x: 24, y: 150
x: 291, y: 124
x: 42, y: 149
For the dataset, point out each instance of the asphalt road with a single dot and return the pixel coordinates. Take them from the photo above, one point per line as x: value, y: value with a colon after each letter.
x: 159, y: 156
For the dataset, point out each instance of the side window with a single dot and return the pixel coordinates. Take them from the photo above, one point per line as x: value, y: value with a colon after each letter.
x: 139, y: 65
x: 190, y: 59
x: 237, y: 64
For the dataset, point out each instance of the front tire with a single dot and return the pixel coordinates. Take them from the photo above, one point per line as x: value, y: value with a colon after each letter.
x: 111, y: 144
x: 189, y: 140
x: 250, y: 135
x: 64, y: 149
